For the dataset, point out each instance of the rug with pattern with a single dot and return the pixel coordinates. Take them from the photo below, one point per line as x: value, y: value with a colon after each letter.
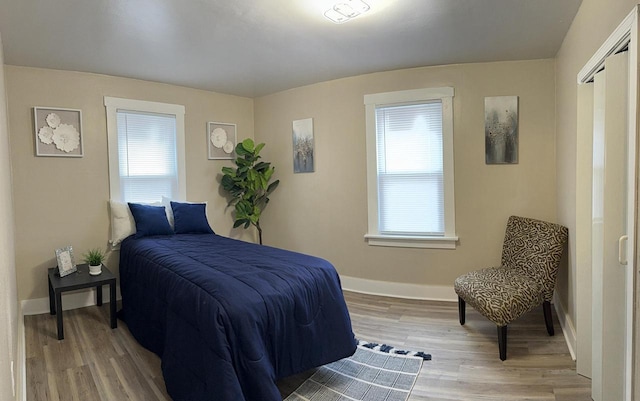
x: 374, y: 372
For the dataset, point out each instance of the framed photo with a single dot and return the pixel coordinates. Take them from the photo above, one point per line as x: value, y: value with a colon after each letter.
x: 501, y: 130
x: 66, y: 262
x: 58, y: 132
x: 303, y: 146
x: 221, y: 140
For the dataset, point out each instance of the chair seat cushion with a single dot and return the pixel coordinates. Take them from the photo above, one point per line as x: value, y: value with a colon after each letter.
x: 499, y: 294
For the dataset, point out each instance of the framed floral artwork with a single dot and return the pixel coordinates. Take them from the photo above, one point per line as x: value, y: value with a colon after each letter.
x: 58, y: 132
x: 221, y: 140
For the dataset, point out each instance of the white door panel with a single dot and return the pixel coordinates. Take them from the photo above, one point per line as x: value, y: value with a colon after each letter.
x: 610, y: 221
x: 582, y: 236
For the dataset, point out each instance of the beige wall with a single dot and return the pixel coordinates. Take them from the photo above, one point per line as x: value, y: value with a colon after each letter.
x: 63, y: 201
x: 593, y: 24
x: 325, y: 213
x: 8, y: 287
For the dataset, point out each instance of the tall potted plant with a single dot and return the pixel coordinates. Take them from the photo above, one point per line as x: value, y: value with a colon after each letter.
x: 248, y: 185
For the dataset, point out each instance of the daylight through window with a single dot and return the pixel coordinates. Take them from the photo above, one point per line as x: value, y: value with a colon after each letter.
x: 410, y: 168
x: 146, y: 150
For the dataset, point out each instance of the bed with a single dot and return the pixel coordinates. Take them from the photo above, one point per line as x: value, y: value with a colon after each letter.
x: 228, y: 318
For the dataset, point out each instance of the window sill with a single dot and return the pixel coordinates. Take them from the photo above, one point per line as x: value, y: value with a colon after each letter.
x: 405, y: 241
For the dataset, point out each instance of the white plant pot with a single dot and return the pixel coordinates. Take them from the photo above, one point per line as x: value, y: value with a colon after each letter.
x: 95, y: 270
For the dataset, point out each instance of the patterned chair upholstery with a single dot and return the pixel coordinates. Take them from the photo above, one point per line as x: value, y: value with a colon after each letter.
x: 531, y: 255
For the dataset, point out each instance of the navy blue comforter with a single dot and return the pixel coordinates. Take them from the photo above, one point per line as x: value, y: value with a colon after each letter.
x: 228, y: 317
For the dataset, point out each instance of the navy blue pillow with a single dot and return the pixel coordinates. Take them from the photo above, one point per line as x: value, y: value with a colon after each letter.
x: 150, y: 220
x: 190, y: 218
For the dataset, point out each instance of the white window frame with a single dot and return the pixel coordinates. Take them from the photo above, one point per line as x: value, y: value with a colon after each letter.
x: 374, y: 237
x: 113, y: 104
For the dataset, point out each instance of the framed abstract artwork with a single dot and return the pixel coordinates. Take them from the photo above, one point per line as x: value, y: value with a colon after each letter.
x: 303, y: 146
x: 501, y: 129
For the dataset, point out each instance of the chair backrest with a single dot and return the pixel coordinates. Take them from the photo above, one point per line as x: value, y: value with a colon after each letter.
x: 535, y: 247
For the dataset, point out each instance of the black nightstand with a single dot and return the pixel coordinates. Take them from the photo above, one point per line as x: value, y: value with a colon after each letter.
x: 76, y: 281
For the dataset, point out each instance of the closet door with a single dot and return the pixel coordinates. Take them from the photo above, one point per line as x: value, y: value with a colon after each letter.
x: 582, y: 235
x: 609, y: 230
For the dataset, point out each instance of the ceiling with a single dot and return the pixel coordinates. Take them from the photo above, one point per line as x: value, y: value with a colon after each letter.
x: 257, y: 47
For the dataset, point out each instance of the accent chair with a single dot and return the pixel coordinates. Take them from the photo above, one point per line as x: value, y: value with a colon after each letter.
x: 526, y: 278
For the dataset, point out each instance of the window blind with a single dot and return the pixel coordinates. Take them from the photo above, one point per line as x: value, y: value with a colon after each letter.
x: 410, y: 169
x: 147, y: 156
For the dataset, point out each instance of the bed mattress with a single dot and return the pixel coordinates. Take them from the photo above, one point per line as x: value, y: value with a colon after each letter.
x: 228, y: 318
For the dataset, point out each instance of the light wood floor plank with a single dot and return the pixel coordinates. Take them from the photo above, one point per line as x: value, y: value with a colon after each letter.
x: 82, y: 383
x: 94, y: 362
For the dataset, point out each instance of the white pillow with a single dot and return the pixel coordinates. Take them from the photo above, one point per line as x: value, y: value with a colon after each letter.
x: 166, y: 202
x: 122, y: 223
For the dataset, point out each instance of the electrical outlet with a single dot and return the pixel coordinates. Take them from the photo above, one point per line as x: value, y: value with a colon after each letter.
x: 13, y: 380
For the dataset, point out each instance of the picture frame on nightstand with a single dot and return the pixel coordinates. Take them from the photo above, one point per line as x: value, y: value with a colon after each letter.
x: 66, y: 262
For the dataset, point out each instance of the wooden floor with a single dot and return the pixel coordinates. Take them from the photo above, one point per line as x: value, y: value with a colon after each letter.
x: 94, y: 362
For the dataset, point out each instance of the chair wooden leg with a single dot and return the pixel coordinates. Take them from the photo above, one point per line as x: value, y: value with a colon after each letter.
x: 548, y: 318
x: 502, y: 342
x: 461, y: 310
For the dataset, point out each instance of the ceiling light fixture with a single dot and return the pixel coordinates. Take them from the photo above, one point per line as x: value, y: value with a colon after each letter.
x: 346, y: 10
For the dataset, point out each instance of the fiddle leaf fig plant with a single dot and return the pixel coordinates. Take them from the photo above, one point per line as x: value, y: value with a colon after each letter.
x: 248, y: 185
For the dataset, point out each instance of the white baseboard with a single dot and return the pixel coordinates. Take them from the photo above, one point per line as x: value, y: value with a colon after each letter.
x: 567, y: 326
x: 399, y: 290
x: 21, y: 360
x: 70, y: 300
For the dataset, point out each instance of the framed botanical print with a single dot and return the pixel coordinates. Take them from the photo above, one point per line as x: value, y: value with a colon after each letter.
x: 58, y: 132
x: 221, y: 140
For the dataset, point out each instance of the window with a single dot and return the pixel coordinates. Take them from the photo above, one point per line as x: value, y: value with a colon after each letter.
x: 146, y: 150
x: 410, y: 168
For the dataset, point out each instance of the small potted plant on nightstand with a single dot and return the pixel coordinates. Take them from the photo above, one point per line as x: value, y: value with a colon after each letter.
x: 94, y: 259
